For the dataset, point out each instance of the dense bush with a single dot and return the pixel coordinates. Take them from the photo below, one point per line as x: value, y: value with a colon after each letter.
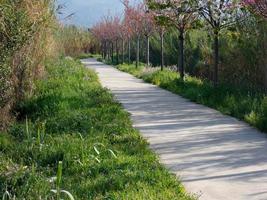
x: 30, y: 33
x: 25, y: 39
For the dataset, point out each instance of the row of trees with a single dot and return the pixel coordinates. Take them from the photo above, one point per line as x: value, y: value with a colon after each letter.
x: 258, y: 6
x: 157, y: 16
x: 112, y: 30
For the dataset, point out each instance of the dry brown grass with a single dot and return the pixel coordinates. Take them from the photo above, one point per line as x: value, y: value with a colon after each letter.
x: 73, y: 41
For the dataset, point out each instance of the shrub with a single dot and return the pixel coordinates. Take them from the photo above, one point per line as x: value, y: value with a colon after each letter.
x: 24, y: 38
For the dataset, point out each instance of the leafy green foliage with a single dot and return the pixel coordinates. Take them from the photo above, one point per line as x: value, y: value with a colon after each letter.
x: 242, y: 53
x: 72, y: 119
x: 131, y: 69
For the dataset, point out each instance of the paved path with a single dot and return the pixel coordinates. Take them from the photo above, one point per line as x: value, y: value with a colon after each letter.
x: 216, y: 156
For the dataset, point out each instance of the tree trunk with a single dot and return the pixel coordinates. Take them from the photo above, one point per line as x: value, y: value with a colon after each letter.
x: 162, y: 49
x: 265, y: 71
x: 181, y: 60
x: 137, y: 51
x: 147, y: 52
x: 112, y: 52
x: 102, y: 49
x: 105, y: 50
x: 216, y: 58
x: 265, y: 55
x: 129, y: 51
x: 123, y: 51
x: 108, y: 51
x: 117, y: 52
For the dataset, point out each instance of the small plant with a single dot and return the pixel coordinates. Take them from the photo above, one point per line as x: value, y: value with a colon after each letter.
x: 41, y: 135
x: 58, y: 191
x: 99, y: 59
x: 105, y: 150
x: 28, y: 131
x: 8, y: 196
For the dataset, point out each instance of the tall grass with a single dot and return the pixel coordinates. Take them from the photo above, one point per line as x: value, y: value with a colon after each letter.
x: 30, y: 34
x: 25, y: 32
x: 74, y: 41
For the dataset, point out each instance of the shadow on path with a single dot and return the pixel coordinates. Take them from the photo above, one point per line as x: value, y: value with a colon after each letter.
x: 216, y: 156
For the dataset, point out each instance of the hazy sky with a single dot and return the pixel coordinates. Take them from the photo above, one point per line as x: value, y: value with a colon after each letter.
x: 88, y: 12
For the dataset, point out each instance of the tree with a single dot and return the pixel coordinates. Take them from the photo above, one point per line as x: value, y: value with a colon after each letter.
x: 127, y: 35
x: 133, y: 17
x: 148, y: 29
x: 219, y: 14
x: 100, y: 32
x: 181, y: 14
x: 259, y: 6
x: 117, y: 34
x: 108, y: 31
x: 161, y: 26
x: 124, y: 37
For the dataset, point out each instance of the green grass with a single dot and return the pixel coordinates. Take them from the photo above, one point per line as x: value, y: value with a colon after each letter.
x: 88, y: 55
x: 131, y: 68
x: 237, y: 102
x: 72, y: 119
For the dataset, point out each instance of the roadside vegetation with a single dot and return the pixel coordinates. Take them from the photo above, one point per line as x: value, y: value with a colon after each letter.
x: 26, y: 41
x: 30, y: 34
x: 73, y: 120
x: 62, y: 136
x: 246, y: 105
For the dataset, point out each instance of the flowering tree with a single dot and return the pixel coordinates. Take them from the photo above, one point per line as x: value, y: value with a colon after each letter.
x: 133, y: 18
x: 117, y: 34
x: 100, y: 34
x: 259, y: 6
x: 161, y: 25
x: 127, y: 35
x: 181, y: 14
x: 219, y: 14
x: 107, y: 32
x: 148, y: 24
x: 124, y: 37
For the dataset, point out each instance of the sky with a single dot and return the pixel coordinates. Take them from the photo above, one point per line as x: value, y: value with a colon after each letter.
x: 88, y: 12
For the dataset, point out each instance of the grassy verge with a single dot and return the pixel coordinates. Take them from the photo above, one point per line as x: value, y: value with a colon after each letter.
x: 237, y: 102
x: 89, y: 55
x: 72, y: 119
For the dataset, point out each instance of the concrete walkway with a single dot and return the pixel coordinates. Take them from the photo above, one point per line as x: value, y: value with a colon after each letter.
x: 216, y: 156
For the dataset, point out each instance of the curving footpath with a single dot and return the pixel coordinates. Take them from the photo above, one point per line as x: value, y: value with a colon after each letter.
x: 217, y: 157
